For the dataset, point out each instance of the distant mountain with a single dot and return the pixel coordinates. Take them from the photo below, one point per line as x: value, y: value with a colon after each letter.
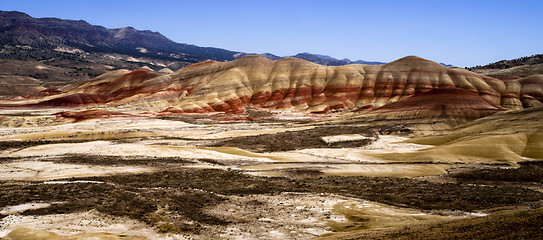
x: 59, y: 54
x: 330, y: 61
x: 316, y: 58
x: 18, y: 28
x: 368, y: 62
x: 320, y: 59
x: 266, y: 55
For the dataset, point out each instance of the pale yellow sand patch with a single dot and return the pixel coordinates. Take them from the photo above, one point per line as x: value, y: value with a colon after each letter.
x: 41, y: 170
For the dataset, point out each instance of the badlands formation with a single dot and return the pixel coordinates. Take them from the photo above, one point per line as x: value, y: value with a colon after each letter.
x: 288, y: 149
x: 295, y: 84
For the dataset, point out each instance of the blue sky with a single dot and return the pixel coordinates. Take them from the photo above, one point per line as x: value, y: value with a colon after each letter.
x: 460, y: 32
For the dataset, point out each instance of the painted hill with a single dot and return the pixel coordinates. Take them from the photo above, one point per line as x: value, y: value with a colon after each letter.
x: 453, y: 104
x: 507, y: 137
x: 301, y: 85
x: 411, y: 86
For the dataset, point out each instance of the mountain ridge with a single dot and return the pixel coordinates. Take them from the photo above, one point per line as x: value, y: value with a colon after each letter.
x: 14, y: 24
x: 18, y: 28
x: 316, y: 58
x: 61, y: 53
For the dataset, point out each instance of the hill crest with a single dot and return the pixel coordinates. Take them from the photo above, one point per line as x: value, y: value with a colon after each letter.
x: 298, y: 85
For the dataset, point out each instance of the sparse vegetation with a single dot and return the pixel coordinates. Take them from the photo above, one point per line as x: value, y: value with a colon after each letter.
x: 31, y: 143
x: 524, y: 224
x: 503, y: 64
x: 312, y: 138
x: 172, y: 200
x: 292, y: 140
x: 117, y: 160
x: 528, y: 172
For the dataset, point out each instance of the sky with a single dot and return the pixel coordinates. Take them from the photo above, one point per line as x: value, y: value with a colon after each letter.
x: 459, y: 32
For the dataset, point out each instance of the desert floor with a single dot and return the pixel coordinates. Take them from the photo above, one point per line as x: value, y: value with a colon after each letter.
x: 289, y: 177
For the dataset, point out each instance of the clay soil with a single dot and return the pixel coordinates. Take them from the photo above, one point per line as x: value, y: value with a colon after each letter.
x: 174, y: 200
x: 198, y: 188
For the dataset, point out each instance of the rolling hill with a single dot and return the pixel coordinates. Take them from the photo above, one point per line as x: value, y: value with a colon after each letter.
x: 410, y: 87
